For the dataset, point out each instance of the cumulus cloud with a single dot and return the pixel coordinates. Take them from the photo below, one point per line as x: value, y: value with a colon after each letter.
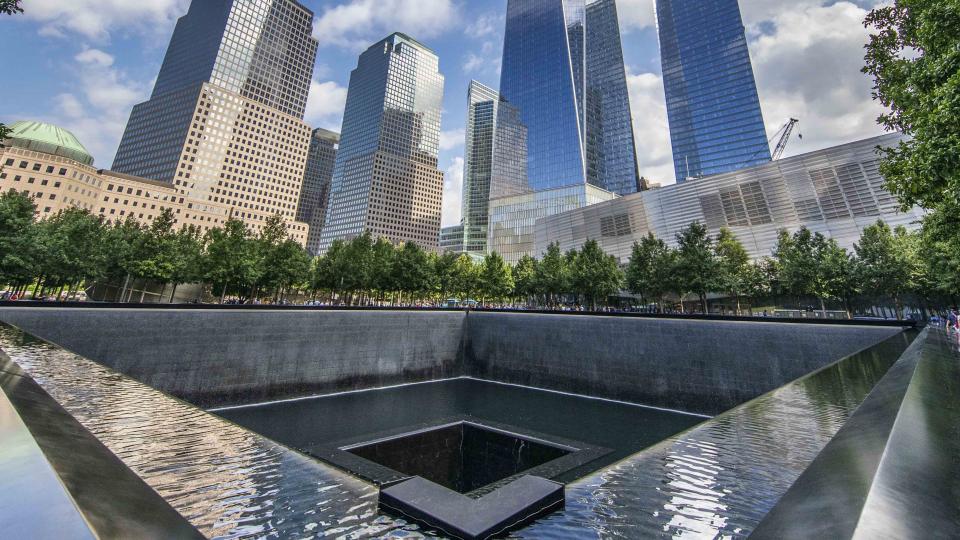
x: 97, y: 108
x: 807, y: 58
x: 635, y: 14
x: 451, y: 139
x: 453, y: 192
x: 486, y: 61
x: 325, y: 105
x: 358, y: 23
x: 650, y: 127
x: 95, y: 19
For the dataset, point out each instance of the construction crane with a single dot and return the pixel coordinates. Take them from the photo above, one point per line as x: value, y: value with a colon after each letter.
x: 784, y: 133
x: 784, y: 137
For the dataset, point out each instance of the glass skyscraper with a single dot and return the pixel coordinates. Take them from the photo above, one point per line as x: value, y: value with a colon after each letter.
x: 224, y: 123
x: 315, y: 193
x: 495, y: 149
x: 611, y: 149
x: 716, y: 124
x: 563, y: 73
x: 385, y: 179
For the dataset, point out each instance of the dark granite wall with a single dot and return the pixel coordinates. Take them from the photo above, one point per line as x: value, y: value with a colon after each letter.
x: 697, y: 366
x: 229, y: 357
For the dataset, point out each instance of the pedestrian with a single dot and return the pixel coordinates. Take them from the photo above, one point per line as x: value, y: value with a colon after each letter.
x: 953, y: 320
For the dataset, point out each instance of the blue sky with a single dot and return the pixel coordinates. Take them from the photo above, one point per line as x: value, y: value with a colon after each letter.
x: 83, y: 64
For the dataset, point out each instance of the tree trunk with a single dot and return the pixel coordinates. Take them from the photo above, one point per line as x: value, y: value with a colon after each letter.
x: 163, y: 291
x: 123, y: 290
x: 703, y: 303
x: 173, y: 293
x: 223, y: 293
x: 823, y: 307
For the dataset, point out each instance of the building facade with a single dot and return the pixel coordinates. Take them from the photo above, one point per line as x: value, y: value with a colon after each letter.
x: 315, y: 193
x: 716, y: 124
x: 563, y: 74
x: 451, y: 239
x: 836, y: 191
x: 224, y: 124
x: 495, y: 154
x: 50, y: 165
x: 610, y: 147
x: 386, y: 180
x: 513, y: 220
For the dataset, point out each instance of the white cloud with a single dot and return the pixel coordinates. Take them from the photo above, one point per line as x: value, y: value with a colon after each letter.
x: 485, y: 25
x: 358, y: 23
x: 650, y: 127
x: 486, y: 60
x: 95, y: 19
x: 325, y: 105
x: 451, y: 139
x: 808, y: 67
x: 97, y: 108
x: 635, y: 14
x: 807, y: 63
x: 453, y: 192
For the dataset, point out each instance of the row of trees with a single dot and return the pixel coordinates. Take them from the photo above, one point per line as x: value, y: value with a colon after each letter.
x: 74, y: 248
x: 885, y: 264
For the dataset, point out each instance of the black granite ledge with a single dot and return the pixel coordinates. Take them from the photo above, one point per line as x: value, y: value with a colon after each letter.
x: 509, y: 507
x: 893, y: 470
x: 113, y: 501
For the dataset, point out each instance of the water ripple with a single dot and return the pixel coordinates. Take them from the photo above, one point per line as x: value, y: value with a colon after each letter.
x: 228, y: 482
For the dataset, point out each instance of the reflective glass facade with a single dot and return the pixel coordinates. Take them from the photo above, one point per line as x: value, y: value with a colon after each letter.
x: 315, y: 192
x: 262, y: 50
x: 716, y: 124
x: 542, y: 75
x: 224, y: 125
x: 386, y: 179
x: 495, y: 161
x: 513, y: 219
x: 611, y: 149
x: 836, y: 191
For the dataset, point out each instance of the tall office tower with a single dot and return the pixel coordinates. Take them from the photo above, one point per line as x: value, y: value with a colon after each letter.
x: 495, y: 148
x: 560, y: 74
x: 224, y: 124
x: 543, y: 77
x: 315, y: 193
x: 611, y: 149
x: 716, y: 124
x: 386, y: 181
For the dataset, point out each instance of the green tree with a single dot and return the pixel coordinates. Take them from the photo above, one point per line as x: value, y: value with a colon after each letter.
x: 230, y: 262
x: 18, y: 253
x: 496, y: 277
x: 595, y: 274
x: 697, y: 267
x: 648, y: 272
x: 443, y: 278
x: 914, y: 59
x: 383, y: 271
x: 525, y: 278
x: 797, y: 264
x: 70, y: 243
x: 10, y: 7
x: 553, y: 275
x: 837, y: 275
x: 885, y: 270
x: 156, y: 251
x: 413, y: 273
x: 119, y: 252
x: 188, y: 259
x: 464, y: 277
x: 734, y: 266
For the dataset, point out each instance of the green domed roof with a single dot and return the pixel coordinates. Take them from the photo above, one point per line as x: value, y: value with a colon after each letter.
x: 49, y: 139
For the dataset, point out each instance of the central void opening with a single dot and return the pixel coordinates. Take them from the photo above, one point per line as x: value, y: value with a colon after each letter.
x: 403, y: 421
x: 463, y: 457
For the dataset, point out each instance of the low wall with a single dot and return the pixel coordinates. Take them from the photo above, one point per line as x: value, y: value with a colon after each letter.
x: 696, y: 366
x: 231, y: 357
